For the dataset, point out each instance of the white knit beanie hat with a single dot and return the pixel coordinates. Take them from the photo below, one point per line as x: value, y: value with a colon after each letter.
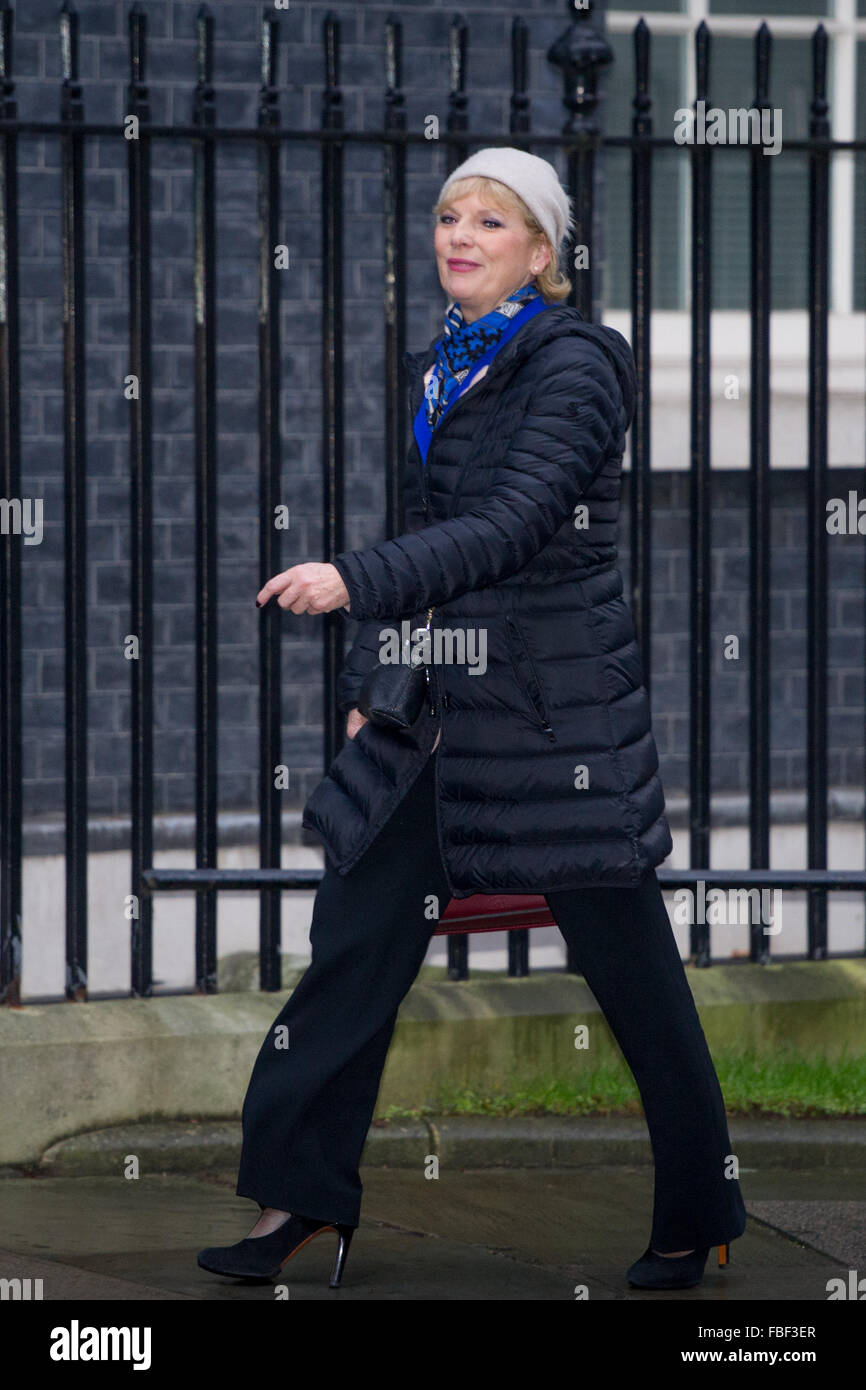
x: 531, y: 178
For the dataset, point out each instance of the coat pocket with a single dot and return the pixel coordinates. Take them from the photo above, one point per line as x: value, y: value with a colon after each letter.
x: 526, y: 675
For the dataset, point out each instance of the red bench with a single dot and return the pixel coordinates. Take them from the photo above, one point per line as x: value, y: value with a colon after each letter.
x: 494, y: 912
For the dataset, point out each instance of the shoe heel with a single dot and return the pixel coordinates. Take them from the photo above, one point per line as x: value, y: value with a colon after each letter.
x: 724, y: 1254
x: 345, y: 1233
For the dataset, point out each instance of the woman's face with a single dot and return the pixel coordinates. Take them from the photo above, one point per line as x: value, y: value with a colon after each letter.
x: 484, y: 254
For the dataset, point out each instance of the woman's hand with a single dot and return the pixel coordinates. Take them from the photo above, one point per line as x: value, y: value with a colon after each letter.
x: 354, y: 721
x: 309, y: 588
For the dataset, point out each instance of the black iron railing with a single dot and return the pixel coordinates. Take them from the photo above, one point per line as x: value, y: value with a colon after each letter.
x: 581, y: 54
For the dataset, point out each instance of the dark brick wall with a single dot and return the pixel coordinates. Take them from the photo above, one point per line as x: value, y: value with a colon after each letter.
x: 730, y: 615
x: 104, y: 73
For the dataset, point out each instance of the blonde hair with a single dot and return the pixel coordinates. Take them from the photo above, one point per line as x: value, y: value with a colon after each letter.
x: 551, y: 283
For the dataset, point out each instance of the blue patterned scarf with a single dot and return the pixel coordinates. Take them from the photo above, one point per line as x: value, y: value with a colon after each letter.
x: 463, y: 343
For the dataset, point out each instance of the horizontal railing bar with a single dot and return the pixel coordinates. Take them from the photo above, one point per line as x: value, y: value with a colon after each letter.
x: 248, y: 880
x: 391, y: 137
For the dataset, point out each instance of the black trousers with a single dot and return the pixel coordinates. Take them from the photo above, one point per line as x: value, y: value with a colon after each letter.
x: 314, y: 1084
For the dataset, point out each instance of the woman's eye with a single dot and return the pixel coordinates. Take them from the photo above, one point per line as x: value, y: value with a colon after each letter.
x: 449, y: 217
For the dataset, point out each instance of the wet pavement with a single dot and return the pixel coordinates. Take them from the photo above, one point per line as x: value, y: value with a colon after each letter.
x: 472, y: 1234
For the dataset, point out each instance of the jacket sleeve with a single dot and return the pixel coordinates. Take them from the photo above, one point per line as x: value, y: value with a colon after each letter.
x: 574, y: 420
x: 364, y: 651
x: 360, y: 658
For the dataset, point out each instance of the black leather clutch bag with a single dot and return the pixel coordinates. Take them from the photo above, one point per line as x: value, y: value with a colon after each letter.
x: 393, y: 695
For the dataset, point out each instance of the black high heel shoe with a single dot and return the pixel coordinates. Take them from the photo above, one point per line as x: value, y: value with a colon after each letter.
x: 653, y: 1271
x: 263, y: 1257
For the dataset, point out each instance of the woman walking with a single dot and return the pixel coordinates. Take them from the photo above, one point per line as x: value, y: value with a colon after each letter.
x: 531, y: 770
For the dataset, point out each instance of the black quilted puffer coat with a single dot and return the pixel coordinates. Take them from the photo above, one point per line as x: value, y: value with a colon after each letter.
x: 547, y: 767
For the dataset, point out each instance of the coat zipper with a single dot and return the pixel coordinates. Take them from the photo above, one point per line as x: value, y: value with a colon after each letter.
x: 423, y: 465
x: 430, y: 695
x: 426, y: 503
x: 538, y: 705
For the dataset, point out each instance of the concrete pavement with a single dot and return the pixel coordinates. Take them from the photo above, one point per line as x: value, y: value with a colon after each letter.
x: 538, y: 1226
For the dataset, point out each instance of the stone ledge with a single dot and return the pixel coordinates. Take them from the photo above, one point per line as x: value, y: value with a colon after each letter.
x: 74, y: 1068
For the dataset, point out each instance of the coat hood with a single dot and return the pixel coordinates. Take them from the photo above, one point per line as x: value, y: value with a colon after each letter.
x: 558, y: 321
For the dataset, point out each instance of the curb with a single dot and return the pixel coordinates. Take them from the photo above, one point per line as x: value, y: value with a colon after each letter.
x: 179, y: 1146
